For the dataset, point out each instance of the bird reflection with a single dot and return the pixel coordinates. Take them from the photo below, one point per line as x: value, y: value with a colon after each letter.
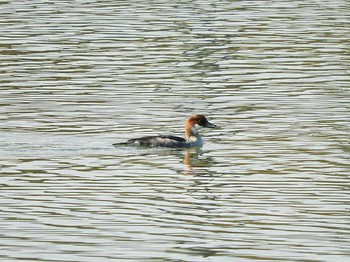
x: 197, y: 166
x: 194, y: 164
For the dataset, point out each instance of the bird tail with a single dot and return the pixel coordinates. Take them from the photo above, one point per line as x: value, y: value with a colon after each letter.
x: 121, y: 144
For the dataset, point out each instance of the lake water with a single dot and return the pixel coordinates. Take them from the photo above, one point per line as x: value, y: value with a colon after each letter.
x: 271, y: 184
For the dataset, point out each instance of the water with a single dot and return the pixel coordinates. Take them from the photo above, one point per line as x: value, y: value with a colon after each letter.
x: 270, y: 184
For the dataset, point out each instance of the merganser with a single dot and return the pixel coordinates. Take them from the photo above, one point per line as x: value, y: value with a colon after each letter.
x: 193, y: 139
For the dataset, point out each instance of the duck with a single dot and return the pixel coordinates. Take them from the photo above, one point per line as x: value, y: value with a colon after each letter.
x: 192, y: 137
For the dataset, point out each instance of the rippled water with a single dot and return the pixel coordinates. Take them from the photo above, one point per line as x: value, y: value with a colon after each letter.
x: 272, y: 183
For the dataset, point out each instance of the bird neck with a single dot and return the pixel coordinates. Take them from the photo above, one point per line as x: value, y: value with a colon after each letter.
x: 192, y: 135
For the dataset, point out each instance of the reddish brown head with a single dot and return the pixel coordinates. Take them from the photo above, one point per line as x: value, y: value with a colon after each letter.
x: 195, y: 122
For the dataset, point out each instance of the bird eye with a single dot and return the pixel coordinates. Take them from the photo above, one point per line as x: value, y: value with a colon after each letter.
x: 202, y: 122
